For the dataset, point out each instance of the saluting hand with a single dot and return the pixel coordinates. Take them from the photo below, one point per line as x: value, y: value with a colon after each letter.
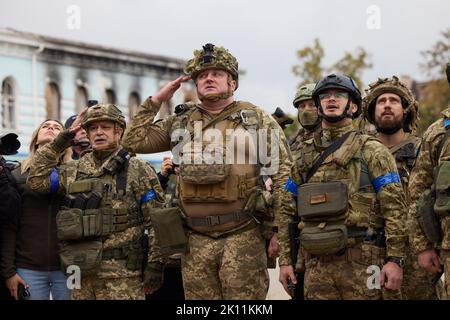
x: 166, y: 92
x: 76, y: 125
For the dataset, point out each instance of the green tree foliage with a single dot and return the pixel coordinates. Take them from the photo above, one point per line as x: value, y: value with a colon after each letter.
x: 310, y: 68
x: 435, y: 95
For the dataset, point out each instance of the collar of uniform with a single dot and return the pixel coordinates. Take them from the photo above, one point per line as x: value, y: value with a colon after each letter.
x: 331, y: 134
x: 212, y: 115
x: 101, y: 158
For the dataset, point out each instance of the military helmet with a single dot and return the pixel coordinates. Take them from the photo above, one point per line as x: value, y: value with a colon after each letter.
x: 103, y: 112
x: 303, y: 93
x: 339, y: 81
x: 212, y: 57
x: 392, y: 85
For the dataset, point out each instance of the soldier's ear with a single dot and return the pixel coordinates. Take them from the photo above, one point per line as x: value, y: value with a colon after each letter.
x: 353, y: 108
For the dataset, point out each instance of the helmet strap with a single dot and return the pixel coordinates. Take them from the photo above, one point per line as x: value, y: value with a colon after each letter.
x: 341, y: 117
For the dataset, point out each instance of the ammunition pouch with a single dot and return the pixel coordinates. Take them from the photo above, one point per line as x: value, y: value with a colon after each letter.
x: 322, y: 200
x: 76, y: 224
x: 204, y: 173
x: 219, y: 187
x: 428, y: 220
x: 364, y: 211
x: 324, y: 240
x: 87, y: 255
x: 132, y: 252
x: 442, y: 189
x: 169, y: 230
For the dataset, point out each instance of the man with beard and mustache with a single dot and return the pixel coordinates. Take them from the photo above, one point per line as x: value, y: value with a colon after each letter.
x: 390, y: 106
x: 429, y: 188
x: 350, y: 203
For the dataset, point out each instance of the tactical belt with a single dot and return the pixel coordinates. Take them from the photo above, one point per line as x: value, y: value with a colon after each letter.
x: 215, y: 220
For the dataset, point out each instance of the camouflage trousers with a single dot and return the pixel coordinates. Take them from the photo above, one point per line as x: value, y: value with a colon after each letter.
x: 444, y: 292
x: 338, y: 280
x: 231, y: 267
x: 94, y: 288
x: 416, y: 281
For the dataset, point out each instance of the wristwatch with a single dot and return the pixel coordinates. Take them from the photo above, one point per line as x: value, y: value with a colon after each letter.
x: 399, y: 261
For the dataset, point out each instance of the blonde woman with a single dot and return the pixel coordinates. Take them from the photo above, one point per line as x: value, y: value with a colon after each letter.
x: 30, y: 249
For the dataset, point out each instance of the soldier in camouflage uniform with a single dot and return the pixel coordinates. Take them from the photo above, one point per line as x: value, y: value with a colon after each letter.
x: 390, y: 106
x: 104, y: 221
x: 429, y: 207
x: 221, y: 201
x: 351, y: 204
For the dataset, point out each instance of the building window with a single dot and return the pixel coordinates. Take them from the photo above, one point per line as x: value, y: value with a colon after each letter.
x: 8, y: 116
x: 133, y: 103
x: 110, y: 96
x: 53, y: 101
x: 80, y: 99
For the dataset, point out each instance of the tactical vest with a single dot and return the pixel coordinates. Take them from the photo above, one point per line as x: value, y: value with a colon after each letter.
x: 219, y: 197
x: 339, y: 201
x: 88, y: 216
x: 87, y: 210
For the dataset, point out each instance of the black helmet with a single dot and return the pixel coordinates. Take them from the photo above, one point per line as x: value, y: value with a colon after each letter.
x: 339, y: 81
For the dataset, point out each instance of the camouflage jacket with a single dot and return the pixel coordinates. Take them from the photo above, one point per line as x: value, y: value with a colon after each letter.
x: 141, y: 179
x: 380, y: 163
x: 146, y: 136
x: 422, y: 179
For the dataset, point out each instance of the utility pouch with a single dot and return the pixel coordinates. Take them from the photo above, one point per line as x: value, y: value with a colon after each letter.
x: 69, y: 224
x: 169, y: 230
x: 204, y: 173
x: 442, y: 183
x: 87, y: 255
x: 326, y: 240
x: 319, y: 200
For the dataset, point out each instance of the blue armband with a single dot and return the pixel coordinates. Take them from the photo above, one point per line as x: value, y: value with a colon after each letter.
x: 447, y: 123
x: 391, y: 177
x: 148, y: 196
x: 54, y: 181
x: 291, y: 186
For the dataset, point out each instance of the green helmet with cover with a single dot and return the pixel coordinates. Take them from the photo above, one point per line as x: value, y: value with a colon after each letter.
x: 395, y: 86
x: 103, y: 112
x: 212, y: 57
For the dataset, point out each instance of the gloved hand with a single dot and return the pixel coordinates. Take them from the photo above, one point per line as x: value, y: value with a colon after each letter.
x: 153, y: 277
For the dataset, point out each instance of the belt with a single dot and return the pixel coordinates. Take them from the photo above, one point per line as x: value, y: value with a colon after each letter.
x: 215, y: 220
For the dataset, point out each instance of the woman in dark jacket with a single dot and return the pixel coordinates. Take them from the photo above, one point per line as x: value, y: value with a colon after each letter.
x: 30, y: 250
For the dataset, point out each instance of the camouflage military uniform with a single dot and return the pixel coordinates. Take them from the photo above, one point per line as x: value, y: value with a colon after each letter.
x: 225, y: 264
x: 416, y: 281
x: 114, y: 277
x: 360, y: 163
x: 421, y: 180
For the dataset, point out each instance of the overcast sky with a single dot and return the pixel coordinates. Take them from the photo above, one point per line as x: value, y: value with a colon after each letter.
x: 263, y: 35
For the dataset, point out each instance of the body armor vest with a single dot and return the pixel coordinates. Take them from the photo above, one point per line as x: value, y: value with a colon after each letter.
x: 348, y: 166
x: 88, y: 211
x: 221, y: 195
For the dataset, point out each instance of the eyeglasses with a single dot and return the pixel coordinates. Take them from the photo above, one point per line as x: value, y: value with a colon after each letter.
x: 337, y: 95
